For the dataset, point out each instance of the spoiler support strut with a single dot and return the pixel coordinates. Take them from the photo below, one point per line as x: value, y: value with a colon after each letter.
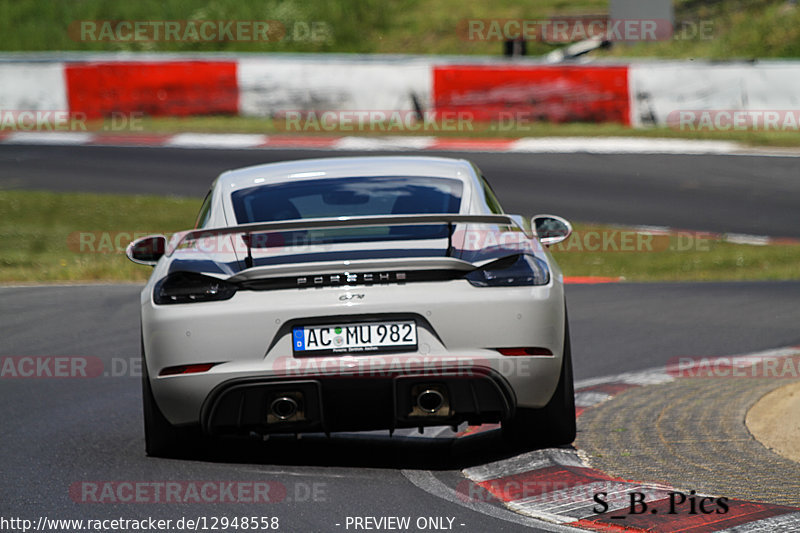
x: 248, y: 261
x: 449, y: 239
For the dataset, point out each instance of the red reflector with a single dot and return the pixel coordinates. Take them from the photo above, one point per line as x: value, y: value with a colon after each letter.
x: 525, y: 351
x: 186, y: 369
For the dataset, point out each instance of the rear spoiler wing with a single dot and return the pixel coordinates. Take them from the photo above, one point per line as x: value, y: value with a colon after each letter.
x: 340, y: 222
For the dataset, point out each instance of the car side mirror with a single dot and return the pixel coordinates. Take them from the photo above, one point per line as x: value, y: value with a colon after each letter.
x: 551, y: 229
x: 147, y: 250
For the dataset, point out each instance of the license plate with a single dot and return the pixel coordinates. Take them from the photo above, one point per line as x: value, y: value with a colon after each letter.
x: 355, y: 338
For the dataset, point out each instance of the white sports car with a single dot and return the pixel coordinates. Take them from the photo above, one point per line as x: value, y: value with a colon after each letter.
x: 354, y: 293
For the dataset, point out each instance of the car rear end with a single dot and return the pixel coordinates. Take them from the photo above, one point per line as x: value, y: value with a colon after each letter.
x: 485, y: 350
x: 397, y: 321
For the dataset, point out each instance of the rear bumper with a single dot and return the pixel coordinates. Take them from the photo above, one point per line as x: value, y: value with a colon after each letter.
x: 327, y: 403
x: 249, y: 338
x: 524, y: 381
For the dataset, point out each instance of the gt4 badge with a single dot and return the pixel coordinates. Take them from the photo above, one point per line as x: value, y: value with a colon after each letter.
x: 350, y: 297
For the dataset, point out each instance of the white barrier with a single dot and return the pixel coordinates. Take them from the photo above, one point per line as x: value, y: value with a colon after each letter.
x: 658, y: 89
x: 33, y: 87
x: 270, y: 85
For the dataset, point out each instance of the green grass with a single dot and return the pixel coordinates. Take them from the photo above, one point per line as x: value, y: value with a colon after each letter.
x: 683, y: 257
x: 58, y: 237
x: 739, y: 28
x: 40, y: 233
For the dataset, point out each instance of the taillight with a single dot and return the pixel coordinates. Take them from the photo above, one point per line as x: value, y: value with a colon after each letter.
x: 188, y: 287
x: 534, y: 350
x: 513, y: 271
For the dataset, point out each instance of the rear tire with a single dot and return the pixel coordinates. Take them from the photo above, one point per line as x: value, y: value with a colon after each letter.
x: 161, y: 439
x: 553, y: 424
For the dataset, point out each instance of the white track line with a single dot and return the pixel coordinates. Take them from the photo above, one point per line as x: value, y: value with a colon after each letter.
x: 55, y: 138
x: 211, y: 140
x: 622, y: 145
x: 383, y: 143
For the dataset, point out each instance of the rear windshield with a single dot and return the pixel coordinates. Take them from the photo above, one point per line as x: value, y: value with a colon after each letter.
x: 348, y: 197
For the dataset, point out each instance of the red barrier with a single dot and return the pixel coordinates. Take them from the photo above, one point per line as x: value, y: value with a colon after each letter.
x: 169, y: 88
x: 534, y: 93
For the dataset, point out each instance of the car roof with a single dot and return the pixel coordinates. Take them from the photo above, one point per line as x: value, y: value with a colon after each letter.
x: 340, y: 167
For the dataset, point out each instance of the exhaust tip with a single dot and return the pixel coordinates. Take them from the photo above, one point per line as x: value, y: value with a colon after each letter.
x: 283, y: 408
x: 430, y: 400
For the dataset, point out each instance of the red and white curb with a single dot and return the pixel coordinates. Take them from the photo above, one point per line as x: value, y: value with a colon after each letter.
x: 541, y: 145
x: 558, y: 485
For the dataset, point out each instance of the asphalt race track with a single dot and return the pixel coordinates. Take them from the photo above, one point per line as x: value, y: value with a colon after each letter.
x: 741, y: 194
x: 57, y: 433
